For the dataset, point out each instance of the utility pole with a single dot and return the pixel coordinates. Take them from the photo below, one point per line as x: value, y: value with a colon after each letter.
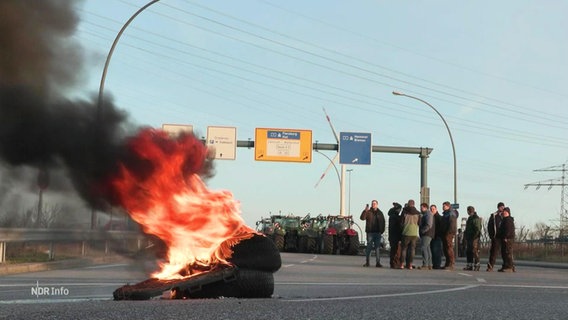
x: 349, y: 197
x: 557, y: 182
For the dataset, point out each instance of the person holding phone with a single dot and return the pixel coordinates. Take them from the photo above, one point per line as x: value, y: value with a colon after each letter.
x: 374, y: 227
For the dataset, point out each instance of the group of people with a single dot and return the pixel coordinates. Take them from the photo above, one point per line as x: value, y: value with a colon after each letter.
x: 436, y: 231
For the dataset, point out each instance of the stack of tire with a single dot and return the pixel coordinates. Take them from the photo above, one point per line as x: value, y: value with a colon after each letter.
x: 256, y: 259
x: 251, y: 275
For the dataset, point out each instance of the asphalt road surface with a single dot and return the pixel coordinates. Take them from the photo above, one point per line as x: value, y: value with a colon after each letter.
x: 306, y: 287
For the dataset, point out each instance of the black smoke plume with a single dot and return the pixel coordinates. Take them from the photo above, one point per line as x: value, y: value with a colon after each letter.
x: 39, y: 127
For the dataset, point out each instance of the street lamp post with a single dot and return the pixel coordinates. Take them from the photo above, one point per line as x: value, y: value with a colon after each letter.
x: 349, y: 202
x: 99, y: 118
x: 396, y: 93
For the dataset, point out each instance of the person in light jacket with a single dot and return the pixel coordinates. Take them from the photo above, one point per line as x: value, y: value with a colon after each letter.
x: 410, y: 222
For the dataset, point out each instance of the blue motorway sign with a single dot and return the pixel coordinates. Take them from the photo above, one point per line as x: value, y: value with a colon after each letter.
x: 354, y: 148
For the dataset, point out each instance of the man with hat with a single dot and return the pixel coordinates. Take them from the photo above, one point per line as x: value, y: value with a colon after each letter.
x: 492, y: 228
x: 507, y: 235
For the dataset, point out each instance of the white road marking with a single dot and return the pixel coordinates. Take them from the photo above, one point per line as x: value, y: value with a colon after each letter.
x: 34, y: 301
x: 384, y: 295
x: 465, y: 274
x: 481, y: 280
x: 74, y: 284
x: 108, y: 266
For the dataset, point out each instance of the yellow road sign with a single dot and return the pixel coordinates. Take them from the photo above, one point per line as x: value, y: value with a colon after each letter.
x: 290, y: 145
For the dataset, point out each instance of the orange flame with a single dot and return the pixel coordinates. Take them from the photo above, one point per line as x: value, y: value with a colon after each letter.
x: 160, y: 187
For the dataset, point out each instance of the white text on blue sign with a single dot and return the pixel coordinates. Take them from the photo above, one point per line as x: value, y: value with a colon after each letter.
x: 283, y: 135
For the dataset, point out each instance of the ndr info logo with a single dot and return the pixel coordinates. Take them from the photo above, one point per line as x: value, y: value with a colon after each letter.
x: 49, y: 291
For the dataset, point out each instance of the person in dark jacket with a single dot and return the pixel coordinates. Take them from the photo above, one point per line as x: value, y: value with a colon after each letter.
x: 395, y: 234
x: 506, y: 234
x: 374, y: 227
x: 471, y: 235
x: 450, y: 216
x: 427, y: 231
x: 492, y: 228
x: 436, y: 243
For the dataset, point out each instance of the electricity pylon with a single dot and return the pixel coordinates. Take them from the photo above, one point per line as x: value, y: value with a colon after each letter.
x: 557, y: 182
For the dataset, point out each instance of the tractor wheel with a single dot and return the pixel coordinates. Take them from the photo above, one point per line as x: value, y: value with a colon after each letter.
x: 327, y: 244
x: 245, y: 284
x: 353, y: 248
x: 311, y: 245
x: 303, y: 244
x: 258, y: 252
x: 279, y: 242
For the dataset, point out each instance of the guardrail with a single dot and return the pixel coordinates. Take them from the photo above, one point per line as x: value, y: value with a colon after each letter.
x: 51, y: 236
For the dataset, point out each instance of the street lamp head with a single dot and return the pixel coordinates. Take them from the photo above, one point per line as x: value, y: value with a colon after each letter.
x: 397, y: 93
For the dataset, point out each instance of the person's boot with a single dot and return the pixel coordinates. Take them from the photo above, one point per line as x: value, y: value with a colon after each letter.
x: 489, y: 268
x: 366, y: 263
x: 476, y: 267
x: 468, y: 267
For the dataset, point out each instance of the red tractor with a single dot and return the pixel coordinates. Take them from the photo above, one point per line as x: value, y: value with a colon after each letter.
x: 340, y: 237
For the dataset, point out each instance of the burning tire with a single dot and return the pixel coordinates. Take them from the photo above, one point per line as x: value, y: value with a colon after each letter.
x: 231, y: 282
x: 257, y: 253
x: 251, y: 276
x: 246, y: 283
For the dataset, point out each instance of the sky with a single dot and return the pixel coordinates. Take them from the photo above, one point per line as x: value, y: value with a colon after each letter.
x: 496, y: 72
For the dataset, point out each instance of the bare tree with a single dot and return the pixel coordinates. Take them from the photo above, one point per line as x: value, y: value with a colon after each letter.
x: 56, y: 216
x: 523, y: 234
x: 541, y: 231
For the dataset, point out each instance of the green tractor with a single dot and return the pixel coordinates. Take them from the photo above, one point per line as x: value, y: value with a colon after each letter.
x: 286, y: 233
x: 266, y: 227
x: 311, y: 233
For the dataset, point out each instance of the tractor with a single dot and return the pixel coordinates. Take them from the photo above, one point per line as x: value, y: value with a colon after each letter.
x: 340, y: 237
x: 311, y: 233
x: 266, y: 227
x: 286, y: 233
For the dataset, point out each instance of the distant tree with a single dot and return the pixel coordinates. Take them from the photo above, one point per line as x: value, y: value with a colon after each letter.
x: 484, y: 238
x: 56, y: 216
x: 541, y: 231
x: 522, y: 234
x: 51, y: 216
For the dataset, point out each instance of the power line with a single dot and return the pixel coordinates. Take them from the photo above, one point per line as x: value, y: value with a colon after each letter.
x: 558, y: 182
x: 294, y: 83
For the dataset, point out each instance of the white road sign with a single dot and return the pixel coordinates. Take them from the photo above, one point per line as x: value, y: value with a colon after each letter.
x: 224, y: 141
x: 175, y: 129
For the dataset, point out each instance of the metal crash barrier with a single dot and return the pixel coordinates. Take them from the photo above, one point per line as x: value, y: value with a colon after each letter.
x: 52, y: 236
